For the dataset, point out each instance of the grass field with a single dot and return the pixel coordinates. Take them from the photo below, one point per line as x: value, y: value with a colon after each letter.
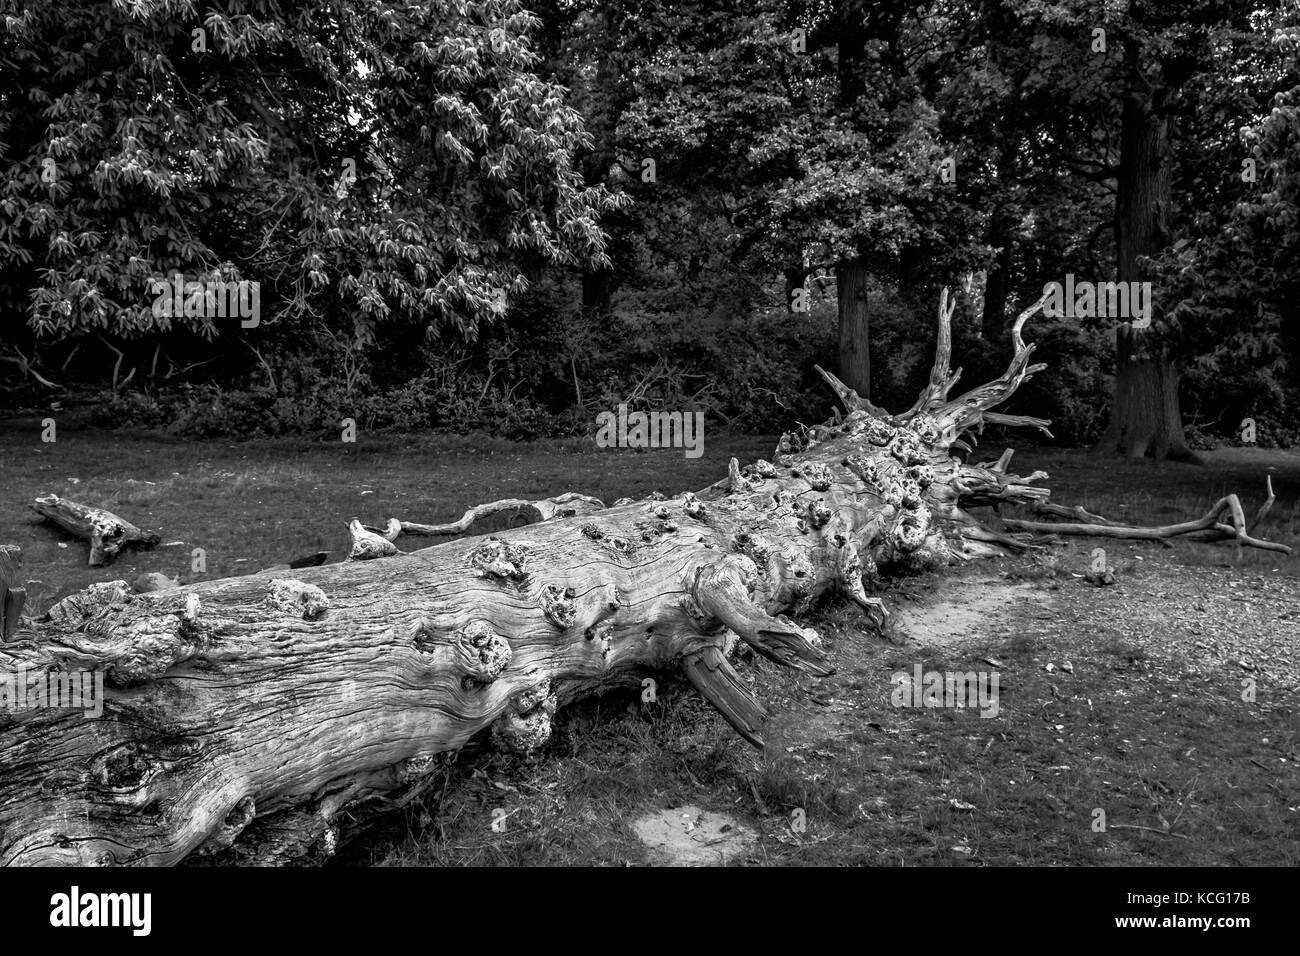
x: 1147, y: 726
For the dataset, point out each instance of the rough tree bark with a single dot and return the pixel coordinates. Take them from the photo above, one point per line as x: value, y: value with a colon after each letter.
x: 1146, y: 419
x: 854, y: 325
x: 254, y: 711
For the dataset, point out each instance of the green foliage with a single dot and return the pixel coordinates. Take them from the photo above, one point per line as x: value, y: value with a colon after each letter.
x: 501, y: 152
x: 365, y: 163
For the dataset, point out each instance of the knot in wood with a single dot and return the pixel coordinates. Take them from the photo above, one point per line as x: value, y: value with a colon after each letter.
x: 911, y: 529
x: 910, y: 493
x: 482, y: 652
x: 789, y: 444
x: 526, y: 724
x: 415, y: 768
x: 923, y: 475
x: 297, y: 597
x: 498, y: 559
x: 558, y: 605
x: 866, y: 469
x: 819, y: 514
x: 818, y: 476
x: 926, y: 429
x: 906, y: 448
x: 878, y: 433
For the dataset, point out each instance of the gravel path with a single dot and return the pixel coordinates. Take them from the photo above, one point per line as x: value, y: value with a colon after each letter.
x: 1206, y: 619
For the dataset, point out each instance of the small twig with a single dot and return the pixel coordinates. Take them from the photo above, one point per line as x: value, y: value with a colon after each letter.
x: 1134, y: 826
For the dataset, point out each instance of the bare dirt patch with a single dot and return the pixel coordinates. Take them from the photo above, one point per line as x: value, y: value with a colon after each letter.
x: 689, y: 836
x: 967, y: 610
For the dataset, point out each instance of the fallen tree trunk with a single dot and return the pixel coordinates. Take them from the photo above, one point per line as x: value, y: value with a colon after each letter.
x: 107, y: 533
x: 256, y: 710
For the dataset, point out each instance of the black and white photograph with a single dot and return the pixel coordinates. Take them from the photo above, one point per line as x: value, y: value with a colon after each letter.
x: 650, y: 435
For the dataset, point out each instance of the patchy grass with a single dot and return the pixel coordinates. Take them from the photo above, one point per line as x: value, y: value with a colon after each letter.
x: 255, y: 504
x: 1185, y: 771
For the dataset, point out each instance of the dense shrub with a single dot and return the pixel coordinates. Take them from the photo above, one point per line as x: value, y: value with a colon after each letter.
x: 729, y: 349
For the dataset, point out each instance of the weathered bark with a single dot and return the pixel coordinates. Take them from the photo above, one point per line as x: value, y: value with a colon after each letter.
x: 107, y: 533
x: 1146, y: 418
x: 252, y: 712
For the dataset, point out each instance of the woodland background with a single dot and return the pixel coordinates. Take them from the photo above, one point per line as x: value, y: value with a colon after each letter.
x: 563, y: 206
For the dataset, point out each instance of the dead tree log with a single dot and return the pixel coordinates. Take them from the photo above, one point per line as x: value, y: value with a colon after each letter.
x: 107, y: 533
x: 253, y: 711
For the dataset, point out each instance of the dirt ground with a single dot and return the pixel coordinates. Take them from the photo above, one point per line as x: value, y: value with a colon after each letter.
x: 1153, y: 721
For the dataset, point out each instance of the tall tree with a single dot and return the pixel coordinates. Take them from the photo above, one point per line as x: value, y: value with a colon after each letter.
x: 1146, y: 417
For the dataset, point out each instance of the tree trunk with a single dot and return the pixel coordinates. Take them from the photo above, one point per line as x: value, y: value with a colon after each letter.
x: 1146, y: 420
x: 266, y: 717
x: 855, y: 326
x: 851, y: 275
x: 1145, y: 415
x: 605, y: 107
x: 997, y: 286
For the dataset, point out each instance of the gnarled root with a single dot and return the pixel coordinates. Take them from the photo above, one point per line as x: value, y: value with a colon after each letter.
x: 1206, y: 528
x: 722, y: 590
